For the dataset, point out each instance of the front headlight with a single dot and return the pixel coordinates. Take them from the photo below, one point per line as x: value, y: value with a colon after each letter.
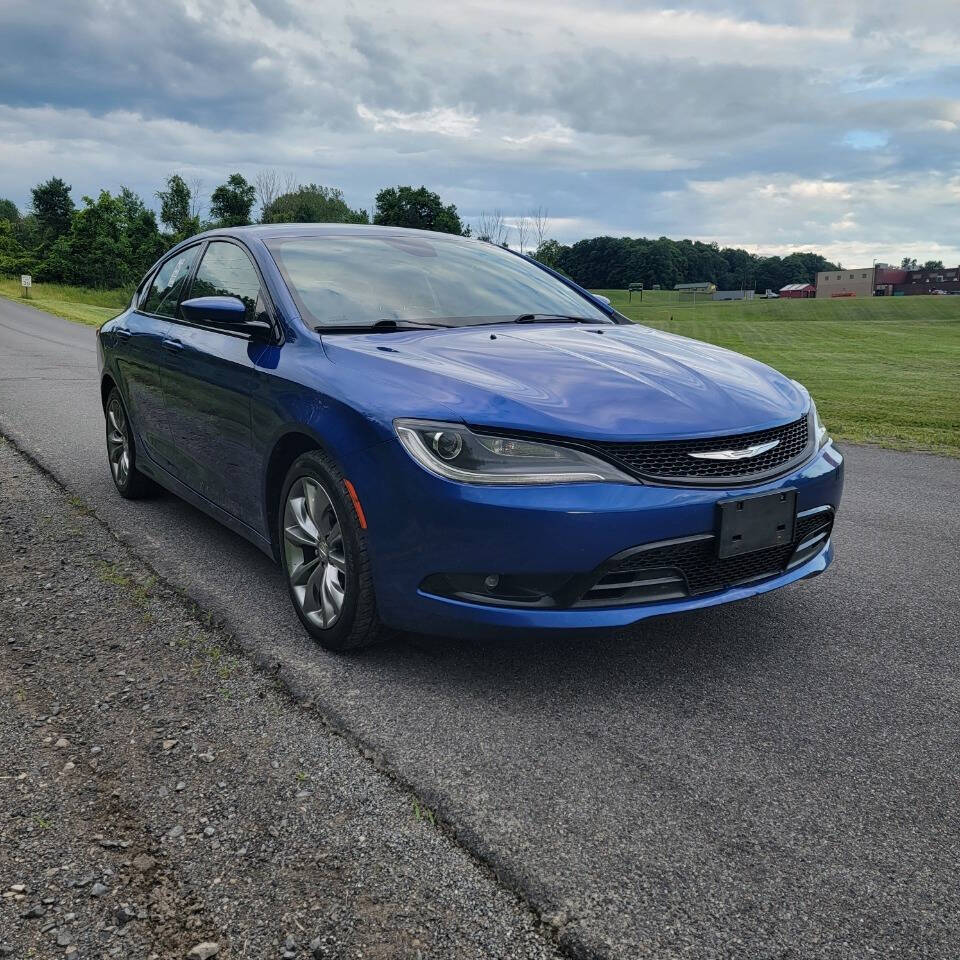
x: 822, y: 438
x: 819, y: 429
x: 452, y: 451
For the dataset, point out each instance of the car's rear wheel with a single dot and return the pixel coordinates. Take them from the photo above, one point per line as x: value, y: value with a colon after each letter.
x: 122, y: 453
x: 324, y: 554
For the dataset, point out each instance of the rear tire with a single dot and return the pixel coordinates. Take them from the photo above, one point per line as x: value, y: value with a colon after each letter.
x: 122, y: 453
x: 323, y: 550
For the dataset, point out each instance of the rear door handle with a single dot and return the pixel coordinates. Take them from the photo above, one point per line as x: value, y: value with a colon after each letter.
x: 174, y: 346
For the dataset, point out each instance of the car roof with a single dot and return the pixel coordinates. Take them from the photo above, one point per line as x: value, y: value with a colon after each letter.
x: 273, y: 231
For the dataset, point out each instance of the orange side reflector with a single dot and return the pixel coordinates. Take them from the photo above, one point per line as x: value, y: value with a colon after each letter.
x: 356, y: 504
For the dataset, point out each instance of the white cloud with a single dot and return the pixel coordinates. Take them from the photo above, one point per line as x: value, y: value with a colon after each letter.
x: 765, y: 122
x: 444, y: 121
x: 863, y: 220
x: 845, y: 223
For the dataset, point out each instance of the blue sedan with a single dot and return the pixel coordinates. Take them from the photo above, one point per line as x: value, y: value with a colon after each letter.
x: 435, y: 434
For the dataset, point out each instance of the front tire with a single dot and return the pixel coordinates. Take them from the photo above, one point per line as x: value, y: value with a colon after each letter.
x: 324, y: 555
x: 122, y: 453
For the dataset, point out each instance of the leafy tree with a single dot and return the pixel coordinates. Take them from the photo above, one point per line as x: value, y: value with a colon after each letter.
x: 28, y: 236
x: 111, y: 242
x: 9, y: 211
x: 908, y: 263
x: 312, y: 204
x: 94, y: 252
x: 175, y: 208
x: 549, y: 253
x: 933, y: 265
x: 231, y: 202
x: 419, y: 208
x: 53, y: 208
x: 15, y: 258
x: 139, y: 227
x: 618, y: 261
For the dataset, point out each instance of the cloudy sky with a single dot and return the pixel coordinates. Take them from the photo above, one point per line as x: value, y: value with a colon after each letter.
x: 771, y: 124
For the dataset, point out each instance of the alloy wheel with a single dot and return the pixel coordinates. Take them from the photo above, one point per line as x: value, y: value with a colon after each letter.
x: 314, y: 551
x: 118, y: 442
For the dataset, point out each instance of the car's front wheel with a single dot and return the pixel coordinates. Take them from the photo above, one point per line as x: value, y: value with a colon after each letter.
x: 324, y: 554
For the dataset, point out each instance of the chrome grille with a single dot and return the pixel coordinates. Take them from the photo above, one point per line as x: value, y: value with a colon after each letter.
x: 667, y: 460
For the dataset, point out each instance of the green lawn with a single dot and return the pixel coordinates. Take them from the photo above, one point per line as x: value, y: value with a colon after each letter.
x: 91, y: 307
x: 884, y: 370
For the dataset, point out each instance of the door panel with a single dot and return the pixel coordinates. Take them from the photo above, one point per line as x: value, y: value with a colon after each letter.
x: 139, y: 359
x: 140, y: 355
x: 208, y: 379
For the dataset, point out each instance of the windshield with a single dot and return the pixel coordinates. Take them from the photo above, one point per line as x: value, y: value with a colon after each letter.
x: 359, y: 280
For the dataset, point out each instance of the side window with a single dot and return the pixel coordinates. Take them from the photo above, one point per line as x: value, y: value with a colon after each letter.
x: 164, y: 292
x: 226, y: 271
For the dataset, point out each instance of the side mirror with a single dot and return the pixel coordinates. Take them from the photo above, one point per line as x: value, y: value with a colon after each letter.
x: 227, y: 312
x: 217, y: 311
x: 606, y: 300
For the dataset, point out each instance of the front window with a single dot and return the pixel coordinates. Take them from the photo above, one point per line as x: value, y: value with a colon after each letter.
x: 226, y: 271
x: 360, y: 280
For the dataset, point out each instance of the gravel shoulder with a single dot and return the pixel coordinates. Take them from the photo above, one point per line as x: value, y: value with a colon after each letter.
x: 158, y: 793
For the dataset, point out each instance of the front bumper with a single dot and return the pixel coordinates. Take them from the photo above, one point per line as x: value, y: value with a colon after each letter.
x: 421, y: 526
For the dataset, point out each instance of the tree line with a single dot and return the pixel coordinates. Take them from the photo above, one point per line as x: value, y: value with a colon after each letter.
x: 616, y: 262
x: 112, y: 239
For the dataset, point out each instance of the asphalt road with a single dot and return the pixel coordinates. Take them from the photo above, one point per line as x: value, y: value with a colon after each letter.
x: 777, y: 778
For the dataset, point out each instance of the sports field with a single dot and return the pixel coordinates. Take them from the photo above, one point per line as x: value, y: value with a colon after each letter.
x: 884, y: 370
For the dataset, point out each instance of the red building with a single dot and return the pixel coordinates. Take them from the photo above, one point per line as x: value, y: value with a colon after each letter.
x: 888, y: 280
x: 798, y: 291
x: 923, y: 281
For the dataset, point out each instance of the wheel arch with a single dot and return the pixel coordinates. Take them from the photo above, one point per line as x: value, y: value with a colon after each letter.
x: 286, y: 448
x: 107, y: 384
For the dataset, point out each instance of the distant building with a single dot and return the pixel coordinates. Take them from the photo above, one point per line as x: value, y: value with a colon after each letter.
x: 916, y: 282
x: 884, y: 281
x: 888, y: 280
x: 733, y: 294
x: 798, y: 291
x: 858, y: 282
x: 703, y: 287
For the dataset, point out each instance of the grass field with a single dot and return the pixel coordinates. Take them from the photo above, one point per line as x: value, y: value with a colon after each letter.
x: 884, y: 370
x: 73, y: 303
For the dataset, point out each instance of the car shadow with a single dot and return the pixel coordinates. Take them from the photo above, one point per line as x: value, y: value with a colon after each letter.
x: 680, y: 649
x: 672, y: 649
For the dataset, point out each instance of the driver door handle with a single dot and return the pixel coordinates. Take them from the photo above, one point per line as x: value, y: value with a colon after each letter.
x: 173, y: 346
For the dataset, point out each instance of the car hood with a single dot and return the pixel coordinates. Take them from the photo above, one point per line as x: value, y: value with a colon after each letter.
x: 628, y: 382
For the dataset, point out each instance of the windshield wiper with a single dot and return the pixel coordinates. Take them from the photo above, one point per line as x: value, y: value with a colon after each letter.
x: 381, y: 326
x: 553, y: 318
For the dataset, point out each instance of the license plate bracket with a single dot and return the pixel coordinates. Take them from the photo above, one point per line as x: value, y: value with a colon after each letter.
x: 756, y: 522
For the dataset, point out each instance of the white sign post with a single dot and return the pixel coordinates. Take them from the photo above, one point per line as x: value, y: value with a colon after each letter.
x: 26, y: 281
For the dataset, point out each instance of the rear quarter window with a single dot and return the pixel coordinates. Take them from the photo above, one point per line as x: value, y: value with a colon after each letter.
x: 164, y: 294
